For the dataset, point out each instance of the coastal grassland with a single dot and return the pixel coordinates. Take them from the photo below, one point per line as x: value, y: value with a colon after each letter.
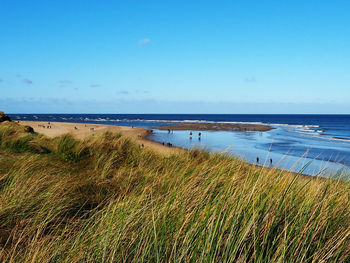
x: 106, y: 199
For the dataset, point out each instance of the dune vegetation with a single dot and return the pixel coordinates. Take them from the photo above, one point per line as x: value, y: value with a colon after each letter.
x: 106, y: 199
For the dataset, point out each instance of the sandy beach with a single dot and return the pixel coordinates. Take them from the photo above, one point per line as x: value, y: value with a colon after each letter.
x: 82, y: 130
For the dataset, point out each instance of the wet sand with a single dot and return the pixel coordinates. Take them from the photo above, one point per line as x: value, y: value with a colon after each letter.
x: 180, y: 126
x: 82, y: 131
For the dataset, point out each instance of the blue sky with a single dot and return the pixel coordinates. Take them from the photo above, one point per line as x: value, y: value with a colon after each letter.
x: 175, y: 56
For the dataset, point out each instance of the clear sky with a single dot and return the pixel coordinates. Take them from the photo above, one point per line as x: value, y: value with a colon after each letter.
x: 60, y: 56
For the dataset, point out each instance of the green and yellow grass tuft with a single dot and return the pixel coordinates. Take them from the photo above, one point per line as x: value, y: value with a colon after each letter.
x: 106, y: 199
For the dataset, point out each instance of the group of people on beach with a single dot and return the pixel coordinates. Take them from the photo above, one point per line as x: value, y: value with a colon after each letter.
x: 257, y: 161
x: 199, y: 135
x: 191, y: 134
x: 48, y: 126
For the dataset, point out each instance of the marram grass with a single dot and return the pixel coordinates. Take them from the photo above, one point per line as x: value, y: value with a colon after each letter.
x: 105, y: 199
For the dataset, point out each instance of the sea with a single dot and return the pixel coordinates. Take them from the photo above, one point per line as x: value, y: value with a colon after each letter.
x: 316, y: 145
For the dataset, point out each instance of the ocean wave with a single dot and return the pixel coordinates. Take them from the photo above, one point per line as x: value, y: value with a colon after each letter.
x: 312, y: 131
x: 340, y: 139
x: 319, y: 135
x: 295, y: 125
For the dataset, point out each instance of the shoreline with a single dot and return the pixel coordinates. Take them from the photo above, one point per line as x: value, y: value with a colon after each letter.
x: 140, y: 135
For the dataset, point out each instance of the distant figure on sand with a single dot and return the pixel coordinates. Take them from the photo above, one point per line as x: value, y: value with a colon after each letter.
x: 199, y: 136
x: 190, y: 135
x: 257, y: 160
x: 270, y: 161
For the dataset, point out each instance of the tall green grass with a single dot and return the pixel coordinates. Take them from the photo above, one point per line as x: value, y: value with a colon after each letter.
x: 106, y: 199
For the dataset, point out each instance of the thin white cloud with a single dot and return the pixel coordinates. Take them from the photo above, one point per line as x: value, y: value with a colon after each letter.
x: 250, y: 79
x: 64, y: 81
x: 123, y: 92
x: 144, y: 42
x: 141, y: 91
x: 24, y: 80
x: 27, y: 81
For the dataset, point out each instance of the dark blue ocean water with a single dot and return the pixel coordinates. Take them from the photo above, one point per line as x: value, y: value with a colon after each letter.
x: 322, y: 139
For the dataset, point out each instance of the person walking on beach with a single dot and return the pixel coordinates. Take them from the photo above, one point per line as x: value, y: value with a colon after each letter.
x: 190, y: 135
x: 271, y: 161
x: 257, y: 160
x: 199, y: 136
